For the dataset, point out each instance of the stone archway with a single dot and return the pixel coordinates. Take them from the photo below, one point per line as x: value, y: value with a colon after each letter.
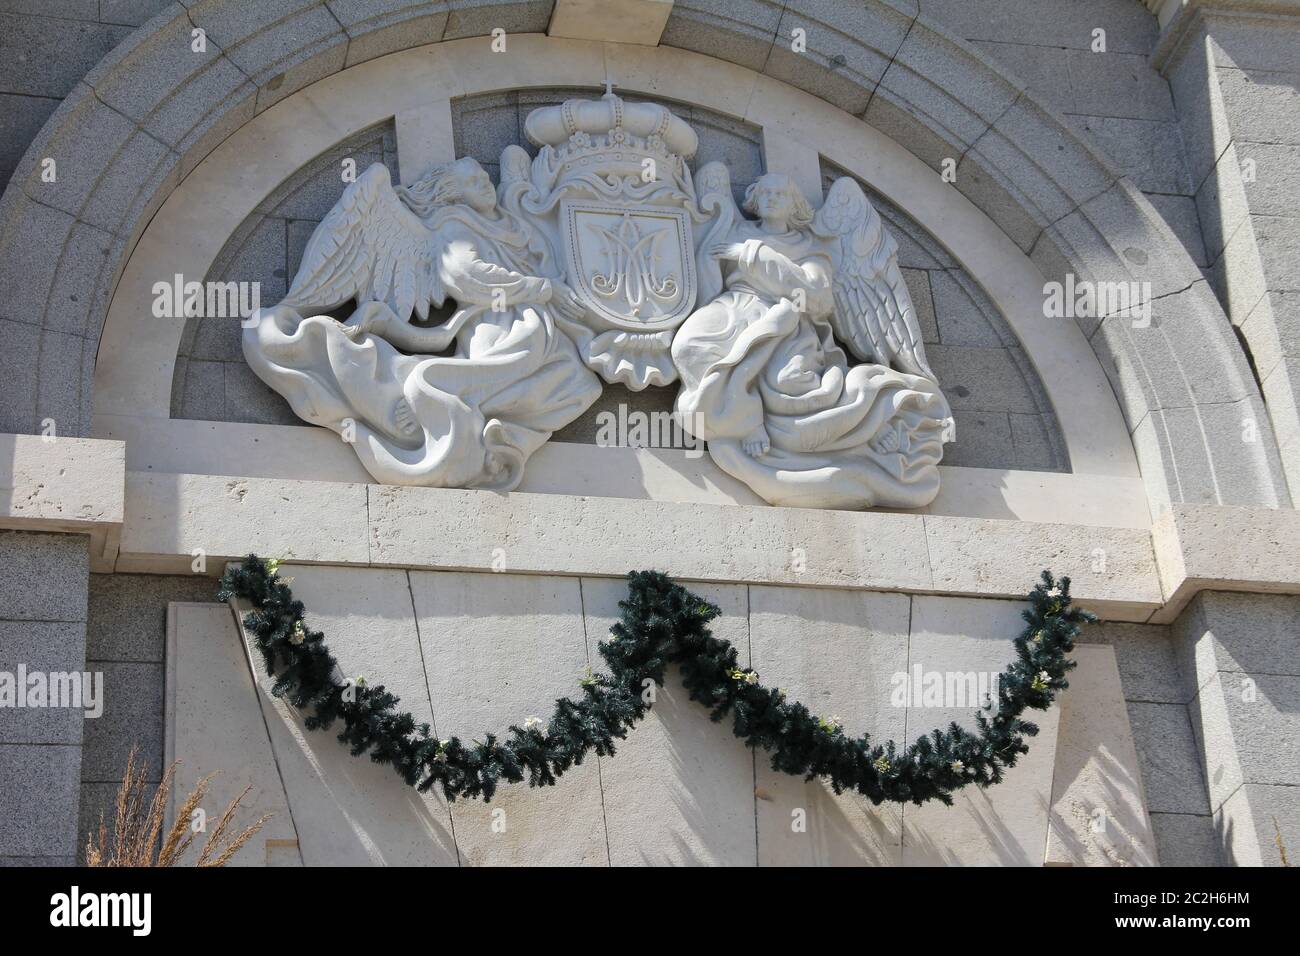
x: 1183, y: 383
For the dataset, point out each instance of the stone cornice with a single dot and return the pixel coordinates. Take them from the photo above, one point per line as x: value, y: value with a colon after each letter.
x: 70, y: 485
x: 1177, y: 19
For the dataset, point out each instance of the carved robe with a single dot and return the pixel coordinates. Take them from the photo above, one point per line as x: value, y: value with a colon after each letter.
x: 467, y: 419
x: 763, y: 354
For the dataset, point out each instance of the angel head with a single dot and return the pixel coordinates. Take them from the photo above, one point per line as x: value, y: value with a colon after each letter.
x: 775, y: 199
x: 463, y: 181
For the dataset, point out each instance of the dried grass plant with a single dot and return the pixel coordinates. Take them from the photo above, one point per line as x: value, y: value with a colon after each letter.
x: 138, y: 838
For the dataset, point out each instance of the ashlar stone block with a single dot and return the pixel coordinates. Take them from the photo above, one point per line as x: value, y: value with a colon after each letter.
x: 680, y: 789
x: 838, y: 652
x: 970, y: 640
x: 499, y: 648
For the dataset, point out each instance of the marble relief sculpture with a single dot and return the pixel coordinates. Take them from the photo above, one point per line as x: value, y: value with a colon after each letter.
x: 600, y: 259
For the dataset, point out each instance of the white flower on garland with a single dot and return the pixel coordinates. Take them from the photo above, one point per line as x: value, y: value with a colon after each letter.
x: 534, y: 723
x: 1041, y: 681
x: 957, y: 766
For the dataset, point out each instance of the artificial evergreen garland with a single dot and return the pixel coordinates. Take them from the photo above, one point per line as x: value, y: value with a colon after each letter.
x: 662, y: 624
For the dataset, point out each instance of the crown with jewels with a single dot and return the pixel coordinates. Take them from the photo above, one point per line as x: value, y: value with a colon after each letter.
x: 609, y: 136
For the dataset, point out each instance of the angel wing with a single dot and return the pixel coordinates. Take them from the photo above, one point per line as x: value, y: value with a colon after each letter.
x: 713, y: 186
x: 873, y: 314
x: 372, y: 248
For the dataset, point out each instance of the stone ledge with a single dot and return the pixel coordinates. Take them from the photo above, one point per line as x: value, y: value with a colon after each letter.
x: 1178, y: 20
x: 169, y: 517
x: 245, y: 450
x: 74, y: 485
x: 1212, y: 547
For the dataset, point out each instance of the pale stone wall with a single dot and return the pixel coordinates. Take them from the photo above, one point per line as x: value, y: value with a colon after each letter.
x: 1173, y: 775
x: 1177, y: 125
x: 681, y: 789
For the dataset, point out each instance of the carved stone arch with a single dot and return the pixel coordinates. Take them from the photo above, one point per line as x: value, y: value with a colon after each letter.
x: 1183, y: 384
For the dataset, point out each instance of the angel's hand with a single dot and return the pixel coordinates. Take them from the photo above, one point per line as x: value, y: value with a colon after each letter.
x: 726, y: 249
x: 757, y: 443
x: 565, y: 301
x: 888, y: 442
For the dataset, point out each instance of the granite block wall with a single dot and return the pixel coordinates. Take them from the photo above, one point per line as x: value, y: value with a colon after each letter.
x: 42, y: 629
x: 125, y: 640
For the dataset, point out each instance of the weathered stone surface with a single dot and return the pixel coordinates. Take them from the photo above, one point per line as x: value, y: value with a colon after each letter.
x: 1037, y: 442
x: 741, y: 32
x: 1059, y: 23
x: 281, y: 45
x: 45, y: 577
x: 1259, y: 824
x: 39, y: 818
x: 983, y: 441
x: 18, y: 366
x: 1185, y: 839
x: 1148, y: 664
x: 127, y: 619
x: 1225, y: 548
x: 46, y: 56
x: 1242, y: 633
x: 45, y: 649
x: 214, y: 725
x: 471, y: 18
x: 30, y: 247
x: 981, y: 378
x: 1180, y: 214
x: 1099, y: 815
x: 21, y: 117
x: 376, y: 28
x: 847, y: 49
x: 959, y: 636
x: 133, y: 716
x: 680, y: 790
x: 1118, y: 84
x: 964, y: 314
x: 850, y: 646
x: 330, y: 518
x: 488, y: 667
x: 1171, y: 768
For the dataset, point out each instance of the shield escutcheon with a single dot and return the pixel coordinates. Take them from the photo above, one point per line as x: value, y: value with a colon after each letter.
x: 632, y: 266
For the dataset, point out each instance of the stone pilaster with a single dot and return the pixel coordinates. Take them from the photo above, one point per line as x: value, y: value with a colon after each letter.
x: 1238, y: 657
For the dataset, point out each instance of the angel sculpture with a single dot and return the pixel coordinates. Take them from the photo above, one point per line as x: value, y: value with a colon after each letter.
x: 461, y: 403
x: 764, y: 381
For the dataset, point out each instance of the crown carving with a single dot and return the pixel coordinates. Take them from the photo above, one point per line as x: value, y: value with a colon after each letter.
x: 609, y: 134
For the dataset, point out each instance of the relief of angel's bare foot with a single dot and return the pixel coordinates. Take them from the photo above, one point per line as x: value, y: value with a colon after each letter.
x: 404, y: 415
x: 757, y: 443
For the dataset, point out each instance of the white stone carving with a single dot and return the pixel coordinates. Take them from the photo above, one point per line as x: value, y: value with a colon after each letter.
x: 764, y: 380
x: 468, y: 418
x: 599, y: 256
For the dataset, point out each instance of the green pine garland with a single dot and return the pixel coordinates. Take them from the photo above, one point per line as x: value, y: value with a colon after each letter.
x: 662, y: 624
